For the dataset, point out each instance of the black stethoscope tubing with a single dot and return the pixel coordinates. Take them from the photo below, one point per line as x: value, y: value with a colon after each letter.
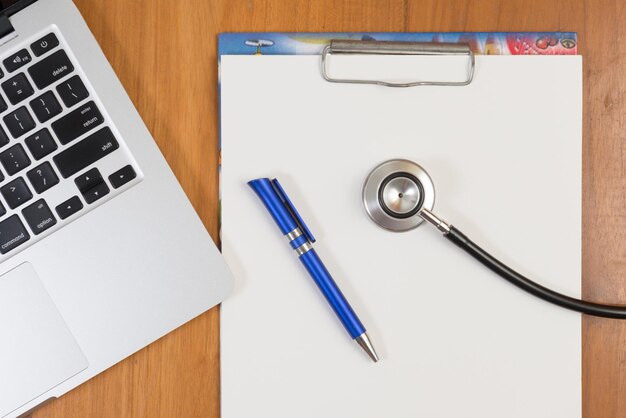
x: 528, y: 285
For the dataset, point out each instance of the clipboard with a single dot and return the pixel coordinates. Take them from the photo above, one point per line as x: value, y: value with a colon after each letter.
x: 503, y: 146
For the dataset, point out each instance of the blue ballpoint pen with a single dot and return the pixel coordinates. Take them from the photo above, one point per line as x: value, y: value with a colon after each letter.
x: 293, y: 227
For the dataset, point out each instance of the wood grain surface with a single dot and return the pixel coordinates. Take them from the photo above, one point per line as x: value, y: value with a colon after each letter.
x: 164, y: 52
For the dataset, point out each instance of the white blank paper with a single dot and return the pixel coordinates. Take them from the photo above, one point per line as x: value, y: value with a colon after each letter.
x: 455, y: 340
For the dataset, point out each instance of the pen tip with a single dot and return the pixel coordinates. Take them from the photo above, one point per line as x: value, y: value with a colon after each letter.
x: 365, y: 343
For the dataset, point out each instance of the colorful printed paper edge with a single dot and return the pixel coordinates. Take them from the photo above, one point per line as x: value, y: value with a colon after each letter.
x: 487, y: 43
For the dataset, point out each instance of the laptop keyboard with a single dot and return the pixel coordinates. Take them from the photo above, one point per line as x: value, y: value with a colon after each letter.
x: 60, y: 154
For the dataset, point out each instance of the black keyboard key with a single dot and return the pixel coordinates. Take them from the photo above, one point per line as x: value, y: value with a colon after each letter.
x: 16, y: 193
x: 69, y: 207
x: 92, y: 185
x: 4, y: 139
x: 17, y: 60
x: 41, y: 144
x: 3, y: 104
x: 12, y: 234
x: 42, y: 177
x: 3, y: 211
x: 17, y: 88
x: 88, y: 180
x: 72, y: 91
x: 19, y: 122
x: 51, y: 69
x: 39, y: 217
x: 86, y: 152
x: 14, y: 159
x: 96, y: 192
x: 44, y: 44
x: 122, y: 176
x: 46, y: 107
x: 77, y: 122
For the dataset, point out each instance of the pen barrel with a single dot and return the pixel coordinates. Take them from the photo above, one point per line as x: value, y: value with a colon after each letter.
x: 331, y: 292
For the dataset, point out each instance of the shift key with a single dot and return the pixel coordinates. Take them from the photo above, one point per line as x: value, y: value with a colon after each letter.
x: 77, y: 122
x: 86, y: 152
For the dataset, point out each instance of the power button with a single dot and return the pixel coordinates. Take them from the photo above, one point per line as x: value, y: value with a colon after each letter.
x: 44, y: 44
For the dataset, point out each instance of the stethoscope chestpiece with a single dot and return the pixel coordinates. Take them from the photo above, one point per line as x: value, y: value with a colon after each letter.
x: 395, y: 192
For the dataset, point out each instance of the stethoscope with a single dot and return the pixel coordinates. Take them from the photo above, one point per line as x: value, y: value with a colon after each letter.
x: 399, y: 195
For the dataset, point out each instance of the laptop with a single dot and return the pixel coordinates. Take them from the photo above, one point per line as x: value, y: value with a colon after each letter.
x: 101, y: 253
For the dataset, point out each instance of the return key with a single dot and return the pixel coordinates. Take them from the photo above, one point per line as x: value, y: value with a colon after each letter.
x: 77, y: 122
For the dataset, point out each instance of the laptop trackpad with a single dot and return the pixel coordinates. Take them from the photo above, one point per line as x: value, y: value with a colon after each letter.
x: 37, y: 350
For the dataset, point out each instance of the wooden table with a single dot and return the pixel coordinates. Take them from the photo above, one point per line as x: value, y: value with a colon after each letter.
x: 164, y: 52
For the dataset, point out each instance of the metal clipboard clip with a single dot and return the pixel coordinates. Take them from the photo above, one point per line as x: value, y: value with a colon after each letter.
x: 343, y: 46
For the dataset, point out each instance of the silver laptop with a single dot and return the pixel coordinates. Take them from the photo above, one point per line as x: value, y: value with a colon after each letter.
x: 101, y: 253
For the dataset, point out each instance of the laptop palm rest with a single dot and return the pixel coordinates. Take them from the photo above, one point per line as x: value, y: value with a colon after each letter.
x: 37, y: 350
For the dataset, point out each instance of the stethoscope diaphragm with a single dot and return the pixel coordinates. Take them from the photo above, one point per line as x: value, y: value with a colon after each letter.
x: 395, y: 192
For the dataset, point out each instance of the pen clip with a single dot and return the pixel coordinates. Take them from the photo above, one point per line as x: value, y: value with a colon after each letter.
x: 292, y: 210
